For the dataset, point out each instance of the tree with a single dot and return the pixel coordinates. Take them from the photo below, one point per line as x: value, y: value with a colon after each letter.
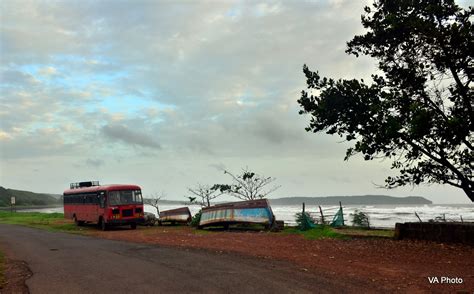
x: 206, y: 193
x: 360, y: 219
x: 419, y: 113
x: 248, y: 185
x: 154, y: 201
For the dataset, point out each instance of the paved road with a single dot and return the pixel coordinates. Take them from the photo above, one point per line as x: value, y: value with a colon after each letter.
x: 66, y: 263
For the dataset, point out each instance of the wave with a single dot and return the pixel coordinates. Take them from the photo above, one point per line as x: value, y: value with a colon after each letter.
x: 380, y: 215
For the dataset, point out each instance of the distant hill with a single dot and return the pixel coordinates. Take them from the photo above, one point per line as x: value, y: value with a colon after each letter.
x: 26, y: 198
x: 56, y: 196
x: 169, y: 202
x: 350, y: 200
x: 328, y: 200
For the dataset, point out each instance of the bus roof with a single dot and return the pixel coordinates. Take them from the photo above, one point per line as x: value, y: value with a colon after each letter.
x: 113, y: 187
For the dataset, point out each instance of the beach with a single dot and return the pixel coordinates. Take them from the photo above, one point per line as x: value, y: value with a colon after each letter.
x: 381, y: 216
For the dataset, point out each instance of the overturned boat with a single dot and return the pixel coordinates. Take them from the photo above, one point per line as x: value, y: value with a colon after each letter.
x: 178, y: 215
x: 250, y: 212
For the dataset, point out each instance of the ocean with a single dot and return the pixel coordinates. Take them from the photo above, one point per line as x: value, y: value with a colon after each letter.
x: 381, y: 216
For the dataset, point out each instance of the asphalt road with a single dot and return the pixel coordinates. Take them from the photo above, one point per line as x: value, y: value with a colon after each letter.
x: 66, y: 263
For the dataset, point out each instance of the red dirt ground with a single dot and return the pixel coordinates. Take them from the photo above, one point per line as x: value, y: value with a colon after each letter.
x: 395, y: 265
x: 16, y: 272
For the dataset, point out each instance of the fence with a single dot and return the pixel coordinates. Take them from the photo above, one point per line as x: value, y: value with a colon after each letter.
x: 333, y: 216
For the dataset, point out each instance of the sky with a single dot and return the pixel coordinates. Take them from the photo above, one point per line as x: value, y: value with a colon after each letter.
x: 166, y: 94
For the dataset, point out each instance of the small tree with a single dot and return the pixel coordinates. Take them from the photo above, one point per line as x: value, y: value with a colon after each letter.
x: 154, y: 201
x: 196, y: 219
x: 248, y: 185
x: 206, y: 193
x: 360, y: 219
x: 305, y: 221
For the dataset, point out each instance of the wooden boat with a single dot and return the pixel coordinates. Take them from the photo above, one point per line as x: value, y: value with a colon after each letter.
x: 178, y: 215
x: 252, y: 211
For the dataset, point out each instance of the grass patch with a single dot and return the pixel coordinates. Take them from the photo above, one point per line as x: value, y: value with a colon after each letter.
x: 2, y: 270
x: 364, y: 232
x: 48, y: 221
x: 320, y: 232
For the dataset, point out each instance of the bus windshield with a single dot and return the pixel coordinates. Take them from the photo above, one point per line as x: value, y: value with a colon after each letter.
x: 125, y: 197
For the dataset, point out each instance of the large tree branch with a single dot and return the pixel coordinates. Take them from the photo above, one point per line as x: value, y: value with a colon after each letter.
x: 442, y: 161
x: 463, y: 90
x: 453, y: 184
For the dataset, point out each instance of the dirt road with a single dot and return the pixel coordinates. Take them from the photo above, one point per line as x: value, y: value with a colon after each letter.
x: 66, y: 263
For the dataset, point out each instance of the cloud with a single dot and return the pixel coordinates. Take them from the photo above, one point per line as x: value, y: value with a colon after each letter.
x: 218, y: 166
x: 131, y: 137
x: 94, y: 162
x: 42, y: 142
x: 97, y: 81
x: 15, y: 78
x: 48, y: 71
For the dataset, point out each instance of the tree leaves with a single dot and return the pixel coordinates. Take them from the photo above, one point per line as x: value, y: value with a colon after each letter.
x: 420, y: 111
x: 249, y: 185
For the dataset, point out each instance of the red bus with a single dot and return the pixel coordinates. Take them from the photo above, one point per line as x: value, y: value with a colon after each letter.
x: 107, y: 205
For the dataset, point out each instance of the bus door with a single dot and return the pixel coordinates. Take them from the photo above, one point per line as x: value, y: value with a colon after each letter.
x: 102, y: 204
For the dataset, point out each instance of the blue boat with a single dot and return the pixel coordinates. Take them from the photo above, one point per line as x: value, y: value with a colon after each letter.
x: 251, y: 212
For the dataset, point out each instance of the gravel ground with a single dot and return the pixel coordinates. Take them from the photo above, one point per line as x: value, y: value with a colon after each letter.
x: 53, y: 262
x: 394, y: 265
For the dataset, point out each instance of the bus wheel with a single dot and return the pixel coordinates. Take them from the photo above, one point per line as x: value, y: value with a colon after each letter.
x: 74, y: 218
x: 133, y: 226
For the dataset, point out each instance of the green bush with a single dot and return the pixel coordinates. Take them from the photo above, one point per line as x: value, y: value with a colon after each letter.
x: 196, y: 219
x: 305, y: 221
x: 360, y: 219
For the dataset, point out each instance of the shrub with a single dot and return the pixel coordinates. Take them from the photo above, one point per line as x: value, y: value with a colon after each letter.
x: 305, y: 221
x: 196, y: 219
x: 360, y: 219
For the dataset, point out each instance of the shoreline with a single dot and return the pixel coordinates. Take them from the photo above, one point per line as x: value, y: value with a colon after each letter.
x: 384, y: 217
x: 20, y: 208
